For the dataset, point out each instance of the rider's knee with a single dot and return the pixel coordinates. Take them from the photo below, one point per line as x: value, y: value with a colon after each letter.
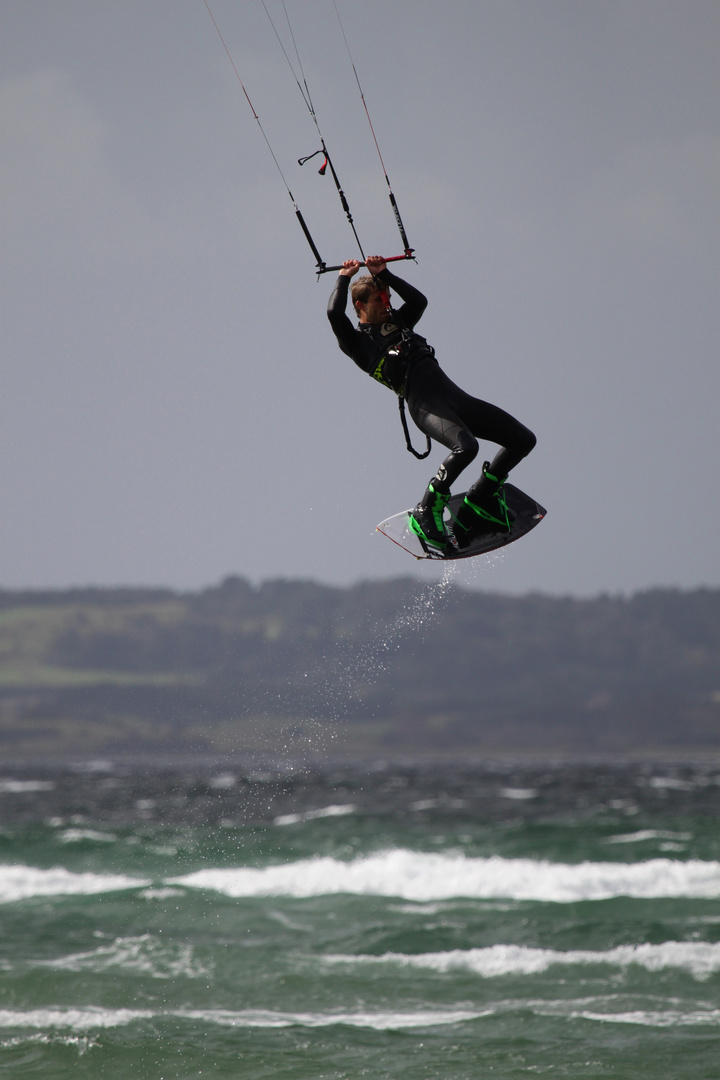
x: 466, y: 447
x: 528, y: 441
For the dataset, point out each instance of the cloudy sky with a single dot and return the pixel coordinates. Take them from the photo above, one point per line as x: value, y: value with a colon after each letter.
x: 174, y: 408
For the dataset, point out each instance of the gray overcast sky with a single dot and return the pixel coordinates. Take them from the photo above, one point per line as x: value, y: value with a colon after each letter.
x: 174, y: 406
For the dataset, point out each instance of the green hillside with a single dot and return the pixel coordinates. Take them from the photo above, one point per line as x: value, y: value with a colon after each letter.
x: 293, y: 668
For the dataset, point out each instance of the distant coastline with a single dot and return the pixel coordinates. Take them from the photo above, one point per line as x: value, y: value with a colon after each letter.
x: 380, y: 670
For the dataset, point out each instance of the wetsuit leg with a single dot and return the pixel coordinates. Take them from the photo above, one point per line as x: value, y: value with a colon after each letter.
x: 439, y: 422
x: 516, y: 442
x: 456, y: 420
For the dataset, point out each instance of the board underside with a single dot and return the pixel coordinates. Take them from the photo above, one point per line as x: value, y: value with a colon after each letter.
x: 529, y: 513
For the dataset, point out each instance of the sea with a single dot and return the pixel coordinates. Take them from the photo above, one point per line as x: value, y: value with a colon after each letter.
x: 385, y: 920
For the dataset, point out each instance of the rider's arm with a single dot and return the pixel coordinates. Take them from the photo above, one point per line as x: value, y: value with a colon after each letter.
x: 358, y: 346
x: 343, y: 329
x: 414, y: 301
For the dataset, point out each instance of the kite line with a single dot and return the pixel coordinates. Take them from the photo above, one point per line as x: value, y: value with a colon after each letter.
x: 320, y: 264
x: 393, y: 203
x: 298, y: 214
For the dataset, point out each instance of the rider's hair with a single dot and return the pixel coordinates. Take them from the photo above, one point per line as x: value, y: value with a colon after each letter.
x: 363, y: 288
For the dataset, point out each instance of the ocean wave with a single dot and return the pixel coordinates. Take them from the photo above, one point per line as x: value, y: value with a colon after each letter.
x: 648, y: 834
x: 661, y: 1018
x: 311, y: 815
x: 79, y: 1043
x: 142, y: 955
x: 698, y: 958
x: 11, y: 786
x: 79, y: 836
x: 379, y: 1021
x: 615, y: 1009
x: 19, y: 882
x: 78, y: 1019
x: 420, y: 877
x: 426, y: 876
x: 83, y: 1019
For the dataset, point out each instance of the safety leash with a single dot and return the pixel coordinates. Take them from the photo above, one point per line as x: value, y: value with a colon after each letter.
x: 408, y: 441
x: 401, y: 404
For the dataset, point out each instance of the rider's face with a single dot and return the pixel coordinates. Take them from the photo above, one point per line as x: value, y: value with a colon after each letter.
x: 375, y: 309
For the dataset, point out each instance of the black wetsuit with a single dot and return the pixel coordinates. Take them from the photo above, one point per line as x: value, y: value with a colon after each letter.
x: 402, y: 360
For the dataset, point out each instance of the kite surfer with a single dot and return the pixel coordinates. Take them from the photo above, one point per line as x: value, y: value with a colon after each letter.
x: 386, y: 347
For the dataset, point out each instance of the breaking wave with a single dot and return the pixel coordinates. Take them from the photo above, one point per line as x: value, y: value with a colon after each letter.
x: 416, y: 876
x: 698, y: 958
x: 422, y: 876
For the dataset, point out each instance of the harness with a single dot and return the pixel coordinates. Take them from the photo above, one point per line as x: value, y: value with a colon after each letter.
x: 404, y: 354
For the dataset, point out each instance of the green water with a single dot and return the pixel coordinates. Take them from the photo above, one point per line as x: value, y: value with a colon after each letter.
x: 386, y: 924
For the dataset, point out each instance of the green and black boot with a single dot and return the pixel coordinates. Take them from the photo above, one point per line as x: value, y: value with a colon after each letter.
x: 484, y: 509
x: 426, y: 520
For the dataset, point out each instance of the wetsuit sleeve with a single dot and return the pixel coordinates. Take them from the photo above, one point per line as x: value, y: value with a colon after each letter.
x: 414, y: 301
x: 359, y: 347
x: 343, y: 329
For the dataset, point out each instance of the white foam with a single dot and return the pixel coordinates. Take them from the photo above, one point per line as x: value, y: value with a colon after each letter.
x: 378, y: 1021
x: 83, y: 1019
x: 427, y: 876
x: 311, y: 815
x: 698, y: 958
x: 88, y: 1018
x: 655, y: 1018
x: 223, y: 781
x: 142, y: 955
x: 607, y: 1009
x: 77, y: 836
x: 19, y: 882
x: 647, y: 834
x: 21, y: 787
x: 79, y: 1019
x: 409, y: 875
x: 161, y: 894
x: 80, y: 1043
x: 671, y: 783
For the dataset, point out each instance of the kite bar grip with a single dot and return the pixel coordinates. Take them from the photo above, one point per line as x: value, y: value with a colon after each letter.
x: 409, y: 254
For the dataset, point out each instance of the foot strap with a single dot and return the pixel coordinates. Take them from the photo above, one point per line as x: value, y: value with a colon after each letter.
x: 487, y: 516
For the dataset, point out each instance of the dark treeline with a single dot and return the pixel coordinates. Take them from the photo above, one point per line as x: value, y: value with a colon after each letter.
x: 388, y: 667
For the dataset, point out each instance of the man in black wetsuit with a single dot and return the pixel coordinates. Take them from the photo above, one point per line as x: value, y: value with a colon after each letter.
x: 385, y: 345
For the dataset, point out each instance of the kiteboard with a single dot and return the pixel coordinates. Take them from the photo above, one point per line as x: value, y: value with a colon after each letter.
x: 528, y: 514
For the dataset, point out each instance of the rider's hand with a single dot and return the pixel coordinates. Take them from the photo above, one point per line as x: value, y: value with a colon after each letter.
x: 375, y: 264
x: 350, y: 268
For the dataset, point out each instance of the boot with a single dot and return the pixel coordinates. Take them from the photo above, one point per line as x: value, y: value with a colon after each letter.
x: 426, y: 520
x: 483, y: 510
